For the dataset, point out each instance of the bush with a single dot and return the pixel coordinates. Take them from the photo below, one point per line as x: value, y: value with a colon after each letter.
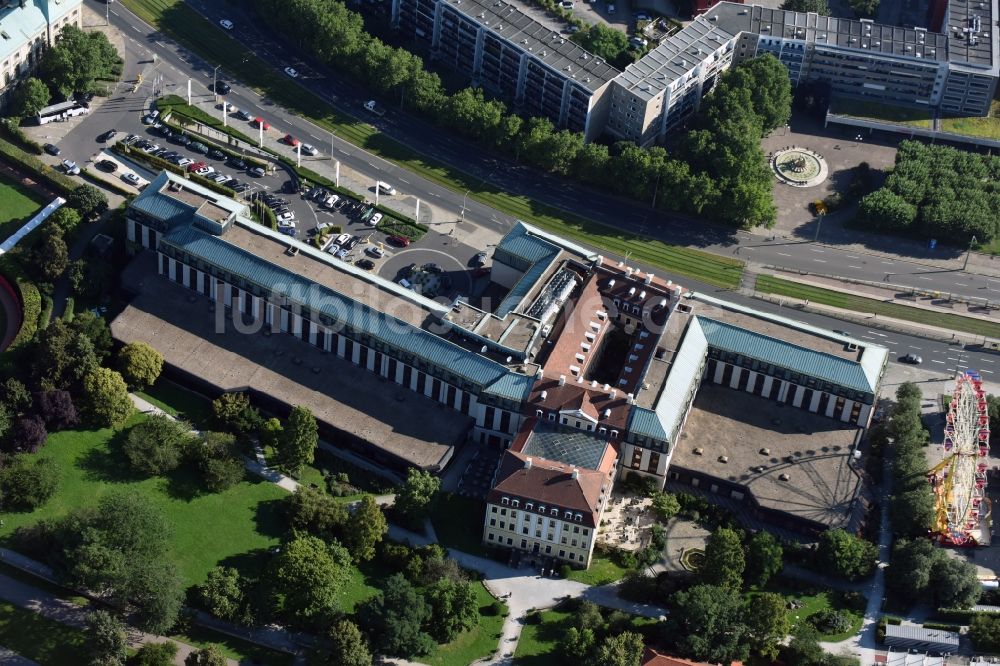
x: 830, y: 621
x: 12, y: 130
x: 27, y: 436
x: 27, y: 481
x: 497, y: 609
x: 31, y: 304
x: 565, y: 571
x: 15, y: 156
x: 155, y: 654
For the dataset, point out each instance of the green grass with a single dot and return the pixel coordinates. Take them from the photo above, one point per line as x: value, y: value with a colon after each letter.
x: 207, y: 529
x: 177, y: 401
x: 17, y: 205
x: 985, y: 127
x: 458, y: 522
x: 203, y: 37
x: 470, y: 646
x: 537, y: 644
x: 234, y: 648
x: 814, y: 601
x: 601, y: 572
x: 887, y: 113
x: 188, y: 115
x: 770, y: 284
x: 38, y: 638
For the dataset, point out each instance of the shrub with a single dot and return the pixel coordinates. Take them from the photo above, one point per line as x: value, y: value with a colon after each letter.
x: 565, y: 571
x: 830, y: 621
x: 57, y: 409
x: 155, y: 654
x: 28, y: 481
x: 31, y: 304
x: 28, y: 435
x: 15, y: 156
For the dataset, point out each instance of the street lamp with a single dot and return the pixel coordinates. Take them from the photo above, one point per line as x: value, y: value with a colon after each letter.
x: 215, y: 81
x: 819, y: 223
x: 968, y: 253
x: 464, y: 199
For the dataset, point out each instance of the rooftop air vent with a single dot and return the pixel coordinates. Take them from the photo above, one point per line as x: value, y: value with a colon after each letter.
x: 723, y: 459
x: 699, y: 451
x: 783, y: 477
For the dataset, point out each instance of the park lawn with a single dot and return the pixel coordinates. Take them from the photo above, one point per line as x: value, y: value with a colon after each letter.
x: 208, y: 529
x: 813, y: 601
x: 537, y: 644
x: 38, y: 638
x: 474, y: 644
x: 886, y: 113
x: 17, y: 205
x: 179, y: 402
x: 458, y: 522
x: 987, y: 127
x: 770, y: 284
x: 200, y: 35
x: 601, y: 572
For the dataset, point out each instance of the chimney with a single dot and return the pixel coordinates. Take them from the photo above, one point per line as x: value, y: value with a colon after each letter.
x: 527, y: 463
x: 576, y: 473
x: 562, y: 380
x: 607, y: 387
x: 593, y: 383
x: 614, y: 394
x: 544, y: 395
x: 631, y: 399
x: 649, y: 278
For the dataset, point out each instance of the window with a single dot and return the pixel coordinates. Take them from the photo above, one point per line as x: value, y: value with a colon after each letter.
x: 493, y: 522
x: 562, y: 553
x: 516, y: 503
x: 503, y: 525
x: 505, y: 500
x: 524, y: 543
x: 529, y: 506
x: 548, y: 549
x: 538, y: 413
x: 578, y: 517
x: 513, y: 514
x: 552, y: 523
x: 510, y: 542
x: 576, y: 529
x: 585, y: 531
x: 491, y: 536
x: 572, y: 556
x: 524, y: 530
x: 503, y: 512
x: 564, y: 541
x: 573, y: 543
x: 552, y: 416
x: 541, y: 508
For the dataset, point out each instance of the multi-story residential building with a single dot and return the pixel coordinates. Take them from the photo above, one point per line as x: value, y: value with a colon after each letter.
x: 951, y: 72
x: 510, y: 54
x: 27, y: 27
x: 588, y: 368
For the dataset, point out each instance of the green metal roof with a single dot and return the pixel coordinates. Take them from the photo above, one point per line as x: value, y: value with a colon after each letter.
x: 644, y: 422
x: 153, y: 202
x: 521, y: 244
x: 766, y: 349
x: 495, y: 378
x: 524, y: 285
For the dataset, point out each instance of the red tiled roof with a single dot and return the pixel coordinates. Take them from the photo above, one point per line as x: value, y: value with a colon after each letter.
x: 653, y: 658
x: 573, y: 396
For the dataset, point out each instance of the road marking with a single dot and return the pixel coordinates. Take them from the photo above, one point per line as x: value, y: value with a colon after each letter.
x: 950, y: 369
x: 136, y: 29
x: 851, y: 256
x: 822, y: 261
x: 887, y: 262
x: 912, y: 347
x: 921, y: 277
x: 784, y: 254
x: 858, y: 267
x: 987, y: 371
x: 951, y: 358
x: 315, y: 137
x: 963, y: 284
x: 812, y: 249
x: 988, y: 360
x: 934, y: 360
x: 867, y: 337
x: 881, y: 335
x: 404, y: 181
x: 892, y: 342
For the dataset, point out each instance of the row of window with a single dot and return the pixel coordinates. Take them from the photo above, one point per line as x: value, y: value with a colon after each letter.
x: 528, y: 507
x: 524, y: 546
x: 553, y: 511
x: 550, y: 536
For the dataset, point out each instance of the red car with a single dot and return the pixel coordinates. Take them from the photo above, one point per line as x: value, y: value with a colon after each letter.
x: 194, y: 166
x: 399, y: 241
x: 260, y: 122
x: 291, y: 140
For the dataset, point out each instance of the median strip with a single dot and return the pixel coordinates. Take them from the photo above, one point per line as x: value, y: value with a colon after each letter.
x: 200, y: 36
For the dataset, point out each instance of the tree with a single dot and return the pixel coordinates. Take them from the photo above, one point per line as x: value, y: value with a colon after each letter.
x: 139, y: 364
x: 96, y: 330
x: 815, y: 6
x: 157, y: 592
x: 864, y: 8
x: 315, y: 512
x: 767, y: 624
x: 107, y: 641
x: 56, y: 408
x: 210, y: 655
x: 306, y: 580
x: 954, y: 583
x: 394, y: 619
x: 883, y: 210
x: 804, y: 648
x: 270, y: 433
x: 105, y: 398
x: 604, y: 42
x: 347, y: 646
x: 414, y: 499
x: 233, y: 411
x: 51, y: 255
x: 297, y: 444
x: 909, y: 573
x: 588, y: 616
x: 453, y: 606
x: 710, y: 622
x: 156, y: 654
x: 77, y: 60
x: 365, y: 529
x: 155, y: 445
x: 666, y: 505
x: 764, y: 558
x: 61, y: 356
x: 985, y: 632
x: 724, y: 559
x: 30, y: 98
x: 913, y: 511
x: 770, y: 89
x: 846, y: 555
x: 623, y: 649
x: 27, y: 435
x: 88, y: 200
x: 27, y: 482
x: 577, y: 645
x: 218, y: 461
x: 15, y: 395
x: 65, y: 218
x: 222, y: 593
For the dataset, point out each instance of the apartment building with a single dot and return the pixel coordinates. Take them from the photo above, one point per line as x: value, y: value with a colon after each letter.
x: 27, y: 27
x: 498, y: 47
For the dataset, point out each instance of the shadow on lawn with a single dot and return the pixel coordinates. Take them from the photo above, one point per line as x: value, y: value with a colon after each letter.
x: 269, y: 518
x: 107, y: 463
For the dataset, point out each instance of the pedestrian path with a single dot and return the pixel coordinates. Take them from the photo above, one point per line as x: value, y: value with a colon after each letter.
x: 11, y: 658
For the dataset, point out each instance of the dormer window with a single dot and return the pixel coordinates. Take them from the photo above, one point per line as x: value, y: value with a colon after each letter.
x: 552, y: 416
x: 538, y: 413
x: 568, y: 515
x: 554, y: 512
x: 516, y: 503
x: 541, y: 508
x: 529, y: 506
x: 505, y: 500
x: 578, y: 517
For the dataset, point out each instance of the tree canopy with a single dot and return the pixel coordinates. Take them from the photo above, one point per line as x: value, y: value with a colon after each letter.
x: 394, y: 619
x: 709, y: 624
x: 139, y: 364
x: 364, y: 530
x: 724, y: 559
x: 30, y: 97
x: 764, y: 558
x: 306, y: 578
x: 156, y: 444
x: 297, y: 443
x: 414, y: 499
x: 816, y: 6
x: 77, y: 59
x: 105, y: 398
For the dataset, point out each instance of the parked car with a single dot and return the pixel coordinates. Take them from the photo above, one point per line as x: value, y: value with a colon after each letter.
x: 286, y: 217
x: 911, y: 358
x: 241, y: 187
x: 256, y: 172
x: 399, y: 241
x: 164, y: 131
x: 216, y: 154
x: 51, y: 149
x: 288, y: 231
x: 244, y: 115
x: 150, y: 117
x: 194, y: 166
x: 286, y: 221
x: 130, y: 139
x: 260, y: 122
x: 291, y: 140
x: 107, y: 165
x: 223, y: 88
x: 107, y: 136
x: 236, y: 163
x: 132, y: 179
x: 184, y: 161
x: 331, y: 201
x: 149, y: 147
x: 342, y: 239
x: 309, y: 149
x: 292, y: 72
x: 226, y: 23
x: 365, y: 264
x: 385, y: 188
x: 374, y: 220
x: 71, y: 168
x: 205, y: 171
x: 183, y: 140
x: 479, y: 259
x: 375, y: 251
x: 199, y: 147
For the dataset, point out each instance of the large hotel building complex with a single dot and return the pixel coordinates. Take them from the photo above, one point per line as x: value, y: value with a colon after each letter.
x: 951, y: 71
x: 586, y: 370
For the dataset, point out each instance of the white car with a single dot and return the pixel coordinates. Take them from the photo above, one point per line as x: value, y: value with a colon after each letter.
x: 385, y: 188
x: 286, y: 224
x: 151, y: 148
x: 71, y: 168
x: 150, y: 118
x: 331, y: 201
x: 375, y: 251
x: 205, y: 171
x: 184, y: 161
x: 286, y: 217
x: 226, y: 23
x: 131, y: 179
x: 342, y: 239
x: 309, y: 149
x: 292, y: 72
x: 333, y: 248
x: 374, y: 220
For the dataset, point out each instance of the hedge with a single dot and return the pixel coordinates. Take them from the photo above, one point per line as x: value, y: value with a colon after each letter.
x: 942, y: 627
x: 393, y: 227
x: 31, y: 306
x: 212, y: 143
x: 107, y: 184
x: 46, y: 316
x: 12, y: 130
x: 22, y: 160
x: 175, y: 104
x: 959, y: 615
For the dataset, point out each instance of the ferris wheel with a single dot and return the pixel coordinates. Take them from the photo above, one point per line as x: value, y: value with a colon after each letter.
x: 959, y: 480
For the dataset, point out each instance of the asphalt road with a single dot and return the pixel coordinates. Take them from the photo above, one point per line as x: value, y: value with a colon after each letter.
x: 444, y: 146
x: 176, y: 67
